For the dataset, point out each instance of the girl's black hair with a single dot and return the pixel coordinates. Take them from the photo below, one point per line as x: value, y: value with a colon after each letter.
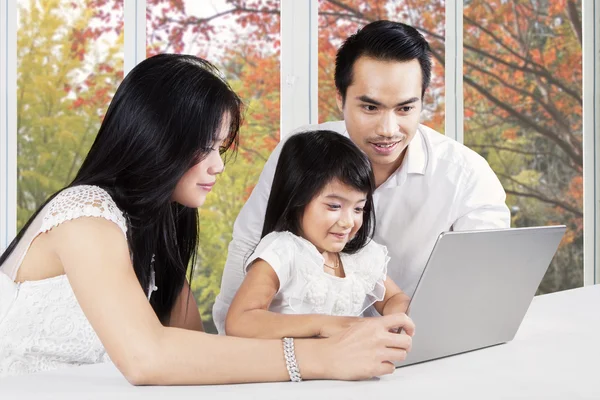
x: 307, y: 163
x: 164, y: 118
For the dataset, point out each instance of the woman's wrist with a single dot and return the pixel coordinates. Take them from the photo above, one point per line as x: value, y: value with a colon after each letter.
x: 312, y: 358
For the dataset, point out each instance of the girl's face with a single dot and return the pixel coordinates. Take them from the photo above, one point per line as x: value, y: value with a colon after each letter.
x: 197, y: 182
x: 333, y: 216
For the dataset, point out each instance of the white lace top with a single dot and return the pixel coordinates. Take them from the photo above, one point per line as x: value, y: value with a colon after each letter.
x: 305, y: 288
x: 42, y: 326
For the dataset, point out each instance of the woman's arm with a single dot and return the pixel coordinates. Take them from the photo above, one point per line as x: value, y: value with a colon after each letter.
x: 185, y: 313
x: 395, y: 300
x: 95, y: 257
x: 248, y: 314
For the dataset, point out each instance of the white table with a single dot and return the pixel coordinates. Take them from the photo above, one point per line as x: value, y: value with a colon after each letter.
x: 555, y: 355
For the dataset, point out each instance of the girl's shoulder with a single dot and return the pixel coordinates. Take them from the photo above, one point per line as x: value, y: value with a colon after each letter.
x: 82, y: 201
x: 370, y: 262
x: 286, y: 247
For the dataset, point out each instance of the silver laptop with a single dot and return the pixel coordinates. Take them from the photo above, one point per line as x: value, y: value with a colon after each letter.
x: 476, y: 288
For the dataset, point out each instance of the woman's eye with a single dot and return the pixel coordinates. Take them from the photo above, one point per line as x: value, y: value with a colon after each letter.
x: 359, y: 210
x: 334, y: 206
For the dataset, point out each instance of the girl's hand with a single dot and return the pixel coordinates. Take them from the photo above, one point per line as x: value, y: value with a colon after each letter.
x: 334, y: 325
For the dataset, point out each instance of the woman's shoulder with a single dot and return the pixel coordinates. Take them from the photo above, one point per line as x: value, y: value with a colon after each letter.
x: 82, y: 201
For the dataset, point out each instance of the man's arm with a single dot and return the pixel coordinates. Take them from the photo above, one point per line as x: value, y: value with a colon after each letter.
x: 483, y: 202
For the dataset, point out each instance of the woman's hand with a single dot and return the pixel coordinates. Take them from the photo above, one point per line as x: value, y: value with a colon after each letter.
x: 363, y: 350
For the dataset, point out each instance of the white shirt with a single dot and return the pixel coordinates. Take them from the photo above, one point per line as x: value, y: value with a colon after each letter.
x: 42, y: 326
x: 305, y: 288
x: 440, y: 186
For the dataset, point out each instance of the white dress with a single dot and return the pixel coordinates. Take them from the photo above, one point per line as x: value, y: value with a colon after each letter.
x: 305, y: 288
x: 42, y: 326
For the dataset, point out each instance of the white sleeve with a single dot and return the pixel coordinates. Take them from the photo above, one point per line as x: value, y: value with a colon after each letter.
x: 82, y: 201
x: 483, y: 203
x: 71, y: 203
x: 277, y: 250
x: 247, y: 230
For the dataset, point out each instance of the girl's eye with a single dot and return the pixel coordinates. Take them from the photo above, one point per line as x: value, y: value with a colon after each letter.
x: 359, y: 210
x: 334, y: 206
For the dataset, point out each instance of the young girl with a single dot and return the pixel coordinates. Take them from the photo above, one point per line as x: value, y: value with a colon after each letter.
x: 316, y: 269
x: 99, y: 272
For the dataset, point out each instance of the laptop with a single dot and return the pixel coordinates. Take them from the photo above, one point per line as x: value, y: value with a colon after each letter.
x: 476, y: 289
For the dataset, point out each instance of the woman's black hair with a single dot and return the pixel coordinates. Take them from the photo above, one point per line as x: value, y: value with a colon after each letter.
x: 307, y: 163
x: 164, y: 118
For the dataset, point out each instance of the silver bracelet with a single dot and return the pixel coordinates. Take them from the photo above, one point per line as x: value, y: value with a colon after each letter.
x: 290, y: 359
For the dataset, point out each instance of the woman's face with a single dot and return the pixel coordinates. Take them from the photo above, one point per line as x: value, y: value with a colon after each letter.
x: 197, y: 182
x: 333, y: 217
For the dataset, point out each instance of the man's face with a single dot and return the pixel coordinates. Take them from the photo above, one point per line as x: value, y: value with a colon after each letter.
x: 382, y: 108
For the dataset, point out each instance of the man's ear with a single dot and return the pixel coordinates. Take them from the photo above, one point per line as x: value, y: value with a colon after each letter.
x: 339, y: 101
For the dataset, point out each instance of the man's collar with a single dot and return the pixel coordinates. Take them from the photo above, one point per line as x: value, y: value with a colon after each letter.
x: 415, y: 160
x: 416, y: 155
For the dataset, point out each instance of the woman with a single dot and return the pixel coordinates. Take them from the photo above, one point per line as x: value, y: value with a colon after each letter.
x: 99, y: 271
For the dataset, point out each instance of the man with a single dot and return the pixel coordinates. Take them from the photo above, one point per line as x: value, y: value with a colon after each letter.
x: 426, y: 182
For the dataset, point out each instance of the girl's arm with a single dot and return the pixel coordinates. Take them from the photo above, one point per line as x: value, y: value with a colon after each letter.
x: 95, y: 257
x: 395, y: 300
x: 249, y: 314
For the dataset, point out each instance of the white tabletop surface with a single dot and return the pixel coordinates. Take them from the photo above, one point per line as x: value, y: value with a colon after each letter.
x: 555, y: 355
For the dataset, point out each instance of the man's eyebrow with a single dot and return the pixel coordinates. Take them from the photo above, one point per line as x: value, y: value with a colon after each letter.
x: 367, y: 99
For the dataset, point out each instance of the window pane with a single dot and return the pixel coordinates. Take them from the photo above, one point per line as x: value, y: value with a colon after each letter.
x: 69, y: 63
x: 523, y: 113
x: 340, y: 19
x: 242, y: 39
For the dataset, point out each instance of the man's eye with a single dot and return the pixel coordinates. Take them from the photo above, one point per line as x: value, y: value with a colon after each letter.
x: 369, y: 107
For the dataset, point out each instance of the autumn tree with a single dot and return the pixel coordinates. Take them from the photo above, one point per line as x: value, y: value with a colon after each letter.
x: 522, y: 78
x: 67, y: 72
x: 542, y: 189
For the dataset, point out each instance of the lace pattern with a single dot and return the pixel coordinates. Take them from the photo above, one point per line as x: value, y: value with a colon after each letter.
x: 311, y: 290
x: 46, y: 329
x: 42, y: 326
x: 82, y: 201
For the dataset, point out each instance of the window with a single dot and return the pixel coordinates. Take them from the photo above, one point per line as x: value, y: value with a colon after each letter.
x: 523, y: 113
x: 69, y: 62
x: 340, y: 19
x: 242, y: 40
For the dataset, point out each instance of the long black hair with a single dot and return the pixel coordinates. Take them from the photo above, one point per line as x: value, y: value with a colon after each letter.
x: 164, y: 118
x: 307, y: 163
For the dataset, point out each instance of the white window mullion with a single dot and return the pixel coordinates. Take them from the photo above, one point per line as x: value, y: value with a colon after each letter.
x: 591, y: 141
x: 454, y: 70
x: 299, y: 64
x: 135, y: 33
x: 8, y: 122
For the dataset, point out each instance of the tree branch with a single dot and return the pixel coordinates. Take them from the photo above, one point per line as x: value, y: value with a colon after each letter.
x: 573, y: 15
x: 549, y: 107
x: 528, y: 122
x: 543, y: 199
